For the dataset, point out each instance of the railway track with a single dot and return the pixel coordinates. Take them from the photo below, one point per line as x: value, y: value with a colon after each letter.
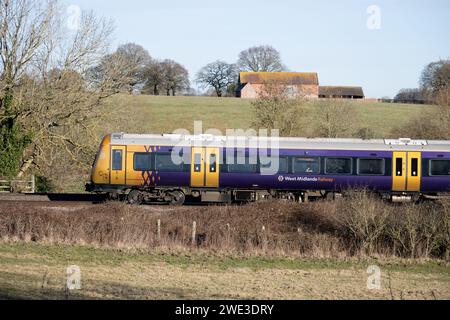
x: 53, y: 198
x: 66, y: 199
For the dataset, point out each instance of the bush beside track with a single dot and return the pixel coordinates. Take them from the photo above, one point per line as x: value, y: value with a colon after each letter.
x: 358, y: 225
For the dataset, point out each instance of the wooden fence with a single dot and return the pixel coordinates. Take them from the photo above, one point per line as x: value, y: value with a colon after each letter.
x: 19, y: 186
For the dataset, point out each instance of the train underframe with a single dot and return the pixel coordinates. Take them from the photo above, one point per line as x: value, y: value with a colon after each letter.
x: 178, y: 196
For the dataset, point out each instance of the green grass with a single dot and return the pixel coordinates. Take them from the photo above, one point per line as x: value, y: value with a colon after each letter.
x: 161, y: 114
x: 36, y: 271
x: 56, y: 254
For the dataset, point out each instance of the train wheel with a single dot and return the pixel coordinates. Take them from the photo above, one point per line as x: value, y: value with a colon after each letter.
x: 112, y: 196
x: 134, y: 197
x: 177, y: 198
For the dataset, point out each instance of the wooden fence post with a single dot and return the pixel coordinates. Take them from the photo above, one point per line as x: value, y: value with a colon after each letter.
x: 228, y: 235
x: 33, y: 184
x: 158, y: 232
x: 194, y: 231
x: 264, y: 238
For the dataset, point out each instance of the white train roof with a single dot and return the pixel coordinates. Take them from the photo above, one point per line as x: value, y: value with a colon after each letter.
x: 207, y: 140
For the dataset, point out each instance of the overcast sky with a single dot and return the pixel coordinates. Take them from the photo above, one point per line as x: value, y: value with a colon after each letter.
x: 339, y: 40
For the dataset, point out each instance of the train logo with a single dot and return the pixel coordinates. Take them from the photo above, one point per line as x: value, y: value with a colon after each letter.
x: 280, y: 178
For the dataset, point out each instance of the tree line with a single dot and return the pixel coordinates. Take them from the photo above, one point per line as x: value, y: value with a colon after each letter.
x: 434, y: 85
x: 144, y: 73
x: 168, y: 77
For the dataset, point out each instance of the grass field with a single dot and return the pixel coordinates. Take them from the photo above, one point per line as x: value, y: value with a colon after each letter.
x: 160, y: 114
x: 32, y: 271
x: 304, y: 252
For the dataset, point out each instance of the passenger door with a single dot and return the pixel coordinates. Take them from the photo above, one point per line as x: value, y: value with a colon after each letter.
x: 212, y: 167
x: 205, y: 167
x: 406, y: 171
x: 414, y: 171
x: 118, y: 165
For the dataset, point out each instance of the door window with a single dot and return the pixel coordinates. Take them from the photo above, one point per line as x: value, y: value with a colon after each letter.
x: 399, y: 167
x: 117, y: 160
x: 198, y: 162
x: 212, y: 163
x: 414, y: 167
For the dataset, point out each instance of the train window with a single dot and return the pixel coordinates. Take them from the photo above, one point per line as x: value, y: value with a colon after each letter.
x: 164, y: 163
x: 282, y: 165
x: 440, y: 167
x: 212, y: 163
x: 243, y: 163
x: 399, y: 167
x: 142, y: 162
x: 414, y: 167
x: 242, y: 168
x: 306, y: 165
x: 117, y: 160
x: 338, y: 165
x: 370, y: 166
x: 197, y: 162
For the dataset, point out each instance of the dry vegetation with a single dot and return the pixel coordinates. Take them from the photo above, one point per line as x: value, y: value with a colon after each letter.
x: 318, y: 250
x: 363, y: 226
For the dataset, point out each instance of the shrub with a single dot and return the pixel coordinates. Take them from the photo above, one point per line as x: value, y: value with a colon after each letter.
x: 43, y: 184
x: 359, y: 225
x: 363, y: 219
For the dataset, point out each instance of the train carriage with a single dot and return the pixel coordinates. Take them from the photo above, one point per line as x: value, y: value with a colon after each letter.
x: 168, y: 167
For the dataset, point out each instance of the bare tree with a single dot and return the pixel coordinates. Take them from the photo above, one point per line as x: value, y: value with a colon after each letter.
x: 46, y: 76
x: 276, y: 109
x: 153, y: 75
x: 218, y: 75
x: 61, y: 107
x: 24, y: 28
x: 168, y: 75
x: 136, y: 58
x: 175, y: 77
x: 335, y: 119
x: 113, y: 74
x: 260, y: 58
x: 132, y: 59
x: 436, y: 76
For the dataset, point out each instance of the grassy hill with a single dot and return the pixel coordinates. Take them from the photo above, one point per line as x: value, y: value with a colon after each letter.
x: 160, y: 114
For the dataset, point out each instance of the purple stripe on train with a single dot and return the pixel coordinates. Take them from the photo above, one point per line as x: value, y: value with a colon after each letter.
x: 310, y: 182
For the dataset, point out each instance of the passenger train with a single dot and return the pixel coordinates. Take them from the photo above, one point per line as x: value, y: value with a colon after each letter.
x: 169, y: 168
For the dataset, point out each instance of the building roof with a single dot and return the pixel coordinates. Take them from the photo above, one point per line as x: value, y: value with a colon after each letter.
x: 340, y: 91
x: 281, y: 77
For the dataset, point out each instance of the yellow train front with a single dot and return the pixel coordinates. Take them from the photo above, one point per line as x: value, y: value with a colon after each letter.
x: 168, y: 168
